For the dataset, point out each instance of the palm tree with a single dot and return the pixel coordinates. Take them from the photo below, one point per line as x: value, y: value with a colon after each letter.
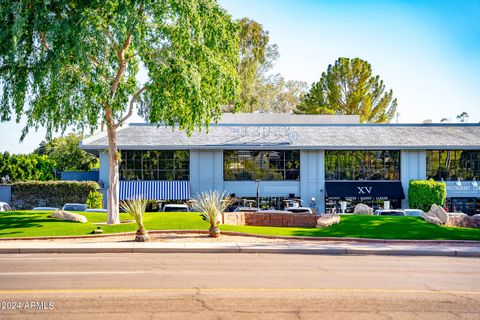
x: 211, y: 204
x: 136, y: 208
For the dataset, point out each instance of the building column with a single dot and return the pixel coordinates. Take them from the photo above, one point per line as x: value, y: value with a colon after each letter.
x: 312, y: 178
x: 413, y: 166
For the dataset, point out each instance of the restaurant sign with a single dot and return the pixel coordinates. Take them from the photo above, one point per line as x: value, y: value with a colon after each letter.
x: 463, y: 189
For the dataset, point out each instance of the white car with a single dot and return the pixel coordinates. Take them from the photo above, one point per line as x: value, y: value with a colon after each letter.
x: 413, y: 212
x: 5, y: 206
x: 299, y: 210
x: 45, y: 209
x: 246, y: 209
x: 175, y: 208
x: 75, y: 207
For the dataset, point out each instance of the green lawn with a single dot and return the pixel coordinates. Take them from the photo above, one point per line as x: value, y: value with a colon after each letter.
x: 35, y: 223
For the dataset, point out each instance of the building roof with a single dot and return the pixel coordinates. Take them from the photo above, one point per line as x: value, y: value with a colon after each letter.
x: 294, y: 135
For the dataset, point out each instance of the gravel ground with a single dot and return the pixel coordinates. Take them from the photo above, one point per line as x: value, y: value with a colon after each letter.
x: 167, y: 237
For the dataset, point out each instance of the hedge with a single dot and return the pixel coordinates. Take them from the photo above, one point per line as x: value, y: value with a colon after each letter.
x: 30, y: 194
x: 423, y: 193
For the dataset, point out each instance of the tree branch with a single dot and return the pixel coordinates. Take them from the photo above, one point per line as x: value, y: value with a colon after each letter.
x: 44, y: 41
x: 135, y: 97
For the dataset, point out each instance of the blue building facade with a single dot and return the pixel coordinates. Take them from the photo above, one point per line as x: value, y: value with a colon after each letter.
x: 321, y: 160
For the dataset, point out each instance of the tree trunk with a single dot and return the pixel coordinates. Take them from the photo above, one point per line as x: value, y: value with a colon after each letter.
x: 113, y: 216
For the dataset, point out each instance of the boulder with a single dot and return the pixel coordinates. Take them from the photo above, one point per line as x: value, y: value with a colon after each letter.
x: 438, y: 212
x: 68, y: 216
x: 327, y: 220
x: 431, y: 219
x: 362, y: 208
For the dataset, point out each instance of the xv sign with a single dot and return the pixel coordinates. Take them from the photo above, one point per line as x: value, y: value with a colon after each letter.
x: 364, y: 190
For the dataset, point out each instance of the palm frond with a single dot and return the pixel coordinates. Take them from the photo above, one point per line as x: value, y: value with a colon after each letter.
x: 211, y: 204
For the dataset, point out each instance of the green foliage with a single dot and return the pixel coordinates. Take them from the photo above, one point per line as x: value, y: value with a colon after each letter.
x: 94, y: 200
x: 66, y: 152
x: 26, y: 167
x: 259, y: 91
x: 29, y: 194
x: 348, y: 87
x: 80, y: 60
x: 423, y: 193
x: 135, y: 208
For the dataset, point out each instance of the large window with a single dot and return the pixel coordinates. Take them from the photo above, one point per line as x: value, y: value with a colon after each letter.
x: 154, y: 165
x: 263, y: 165
x: 362, y: 165
x: 453, y: 164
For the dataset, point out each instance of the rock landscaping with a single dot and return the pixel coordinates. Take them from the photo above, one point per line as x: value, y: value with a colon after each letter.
x: 327, y: 220
x: 437, y: 215
x: 68, y: 216
x: 362, y: 209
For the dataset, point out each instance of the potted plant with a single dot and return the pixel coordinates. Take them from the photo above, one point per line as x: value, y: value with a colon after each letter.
x: 136, y: 208
x: 211, y: 204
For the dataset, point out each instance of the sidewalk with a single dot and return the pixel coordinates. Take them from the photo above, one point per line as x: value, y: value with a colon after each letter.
x: 239, y: 247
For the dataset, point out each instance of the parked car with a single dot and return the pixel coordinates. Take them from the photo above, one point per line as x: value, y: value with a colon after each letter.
x: 245, y: 209
x: 390, y: 213
x: 5, y: 206
x: 97, y: 210
x: 45, y: 209
x: 413, y: 212
x: 175, y: 208
x: 299, y: 210
x: 75, y: 207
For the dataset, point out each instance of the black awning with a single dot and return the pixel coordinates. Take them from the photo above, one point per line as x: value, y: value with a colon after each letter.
x: 364, y: 190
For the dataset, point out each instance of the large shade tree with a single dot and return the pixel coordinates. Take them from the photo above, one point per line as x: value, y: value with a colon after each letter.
x: 68, y: 63
x: 348, y: 87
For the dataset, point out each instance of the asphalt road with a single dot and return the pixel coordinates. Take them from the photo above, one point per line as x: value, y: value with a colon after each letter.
x: 237, y: 286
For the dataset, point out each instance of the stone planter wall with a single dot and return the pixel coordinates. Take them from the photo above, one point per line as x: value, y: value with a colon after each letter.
x: 270, y: 219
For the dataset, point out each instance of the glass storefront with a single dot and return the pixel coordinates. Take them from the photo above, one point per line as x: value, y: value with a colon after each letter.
x: 453, y: 164
x: 263, y: 165
x: 155, y: 165
x: 465, y: 205
x: 374, y: 176
x: 362, y: 165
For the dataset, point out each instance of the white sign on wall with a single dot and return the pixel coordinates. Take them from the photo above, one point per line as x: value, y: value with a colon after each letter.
x: 464, y: 189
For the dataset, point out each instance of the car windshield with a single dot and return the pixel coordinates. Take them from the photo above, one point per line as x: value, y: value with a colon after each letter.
x: 74, y: 207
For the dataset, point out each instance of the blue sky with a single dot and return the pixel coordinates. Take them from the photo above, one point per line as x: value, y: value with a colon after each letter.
x: 428, y: 52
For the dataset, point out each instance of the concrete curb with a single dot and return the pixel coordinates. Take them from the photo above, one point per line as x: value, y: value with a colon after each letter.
x: 248, y: 249
x: 242, y: 234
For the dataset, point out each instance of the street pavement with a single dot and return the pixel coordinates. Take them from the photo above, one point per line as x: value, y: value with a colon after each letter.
x: 238, y: 286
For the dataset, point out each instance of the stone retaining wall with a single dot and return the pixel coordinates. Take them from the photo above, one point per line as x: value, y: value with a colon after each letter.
x: 270, y: 219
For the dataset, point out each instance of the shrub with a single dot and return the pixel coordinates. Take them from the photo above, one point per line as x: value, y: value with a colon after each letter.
x: 423, y: 193
x: 211, y: 204
x: 136, y: 208
x: 95, y: 200
x: 29, y: 194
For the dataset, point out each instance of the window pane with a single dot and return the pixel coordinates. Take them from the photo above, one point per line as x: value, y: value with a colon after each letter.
x: 362, y: 165
x: 154, y: 165
x: 263, y: 165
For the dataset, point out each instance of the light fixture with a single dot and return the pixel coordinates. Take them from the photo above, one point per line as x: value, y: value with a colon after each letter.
x: 459, y: 183
x: 474, y: 183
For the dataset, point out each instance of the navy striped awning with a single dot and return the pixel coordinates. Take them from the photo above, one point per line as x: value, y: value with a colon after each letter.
x: 155, y: 190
